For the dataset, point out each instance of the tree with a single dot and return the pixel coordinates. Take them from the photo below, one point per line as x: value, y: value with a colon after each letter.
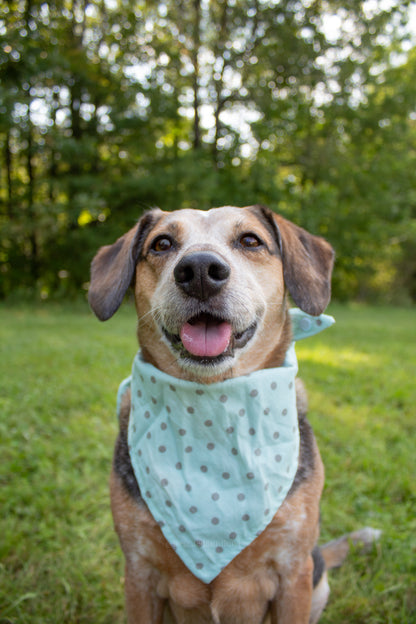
x: 112, y: 107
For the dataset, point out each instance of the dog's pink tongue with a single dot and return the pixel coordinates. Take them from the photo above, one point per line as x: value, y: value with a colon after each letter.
x: 206, y: 339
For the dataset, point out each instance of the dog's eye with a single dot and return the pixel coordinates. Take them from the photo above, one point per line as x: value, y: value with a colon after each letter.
x: 250, y: 241
x: 162, y: 244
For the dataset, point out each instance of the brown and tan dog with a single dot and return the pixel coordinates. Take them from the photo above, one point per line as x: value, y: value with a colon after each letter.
x: 228, y: 272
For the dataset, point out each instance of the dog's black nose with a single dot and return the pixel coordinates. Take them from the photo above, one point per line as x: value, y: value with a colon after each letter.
x: 201, y: 274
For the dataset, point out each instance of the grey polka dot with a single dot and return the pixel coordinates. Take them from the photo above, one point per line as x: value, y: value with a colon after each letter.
x: 147, y: 470
x: 199, y: 566
x: 168, y: 503
x: 173, y: 546
x: 242, y: 412
x: 147, y: 414
x: 252, y: 431
x: 280, y: 488
x: 188, y: 449
x: 319, y: 322
x: 278, y: 458
x: 250, y: 475
x: 199, y: 391
x: 161, y: 523
x: 154, y: 400
x: 148, y: 494
x: 178, y: 466
x: 266, y: 512
x: 266, y: 411
x: 182, y: 529
x: 223, y: 398
x: 210, y: 446
x: 193, y: 509
x: 291, y: 385
x: 245, y: 518
x: 225, y: 475
x: 266, y: 487
x: 273, y: 386
x: 164, y: 482
x: 139, y: 393
x: 172, y: 388
x: 241, y: 496
x: 162, y: 449
x: 204, y: 469
x: 149, y: 435
x: 215, y: 521
x: 254, y: 393
x: 163, y: 426
x: 190, y: 410
x: 208, y: 423
x: 182, y: 432
x: 188, y: 487
x: 152, y: 379
x: 199, y: 543
x: 276, y: 435
x: 219, y: 549
x: 234, y: 451
x: 230, y: 430
x: 168, y: 409
x: 232, y: 535
x: 284, y: 412
x: 257, y: 452
x: 139, y: 453
x: 215, y: 496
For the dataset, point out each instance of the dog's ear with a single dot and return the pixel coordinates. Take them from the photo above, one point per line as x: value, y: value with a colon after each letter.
x: 113, y: 268
x: 307, y: 266
x: 307, y: 263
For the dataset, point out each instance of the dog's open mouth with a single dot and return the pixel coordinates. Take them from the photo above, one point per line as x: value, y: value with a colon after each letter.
x: 206, y: 338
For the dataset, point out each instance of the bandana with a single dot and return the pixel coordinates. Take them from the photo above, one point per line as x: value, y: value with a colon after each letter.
x: 214, y: 462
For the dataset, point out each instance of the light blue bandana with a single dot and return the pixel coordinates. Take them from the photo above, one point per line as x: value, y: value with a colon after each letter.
x: 214, y: 462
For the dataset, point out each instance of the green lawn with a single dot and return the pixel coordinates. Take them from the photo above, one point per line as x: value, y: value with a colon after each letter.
x: 59, y: 372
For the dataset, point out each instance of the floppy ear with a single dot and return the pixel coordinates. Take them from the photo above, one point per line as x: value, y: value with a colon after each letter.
x: 112, y: 269
x: 307, y: 262
x: 307, y: 266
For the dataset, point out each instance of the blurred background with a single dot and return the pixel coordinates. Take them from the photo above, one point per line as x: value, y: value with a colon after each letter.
x: 110, y: 107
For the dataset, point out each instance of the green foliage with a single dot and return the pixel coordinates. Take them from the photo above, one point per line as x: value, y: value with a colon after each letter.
x: 60, y: 559
x: 108, y: 108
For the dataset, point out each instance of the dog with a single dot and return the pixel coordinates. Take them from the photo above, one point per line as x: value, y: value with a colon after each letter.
x: 212, y: 292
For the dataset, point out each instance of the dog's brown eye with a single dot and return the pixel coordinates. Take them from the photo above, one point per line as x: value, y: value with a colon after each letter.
x: 161, y: 244
x: 250, y: 241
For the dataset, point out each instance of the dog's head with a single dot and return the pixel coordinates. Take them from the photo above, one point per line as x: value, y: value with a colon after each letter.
x: 211, y: 286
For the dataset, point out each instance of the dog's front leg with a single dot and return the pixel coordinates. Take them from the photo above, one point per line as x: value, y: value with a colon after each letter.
x: 143, y: 605
x: 292, y: 604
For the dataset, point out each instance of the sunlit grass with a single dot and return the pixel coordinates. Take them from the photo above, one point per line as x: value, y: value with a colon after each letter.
x: 59, y: 372
x: 360, y: 376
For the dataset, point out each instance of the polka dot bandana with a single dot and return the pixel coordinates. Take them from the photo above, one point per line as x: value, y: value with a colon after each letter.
x: 214, y: 462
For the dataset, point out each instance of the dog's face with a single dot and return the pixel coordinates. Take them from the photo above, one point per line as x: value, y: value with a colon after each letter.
x: 211, y: 286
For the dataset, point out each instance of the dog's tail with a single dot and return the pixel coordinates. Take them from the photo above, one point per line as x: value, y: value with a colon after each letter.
x: 334, y: 553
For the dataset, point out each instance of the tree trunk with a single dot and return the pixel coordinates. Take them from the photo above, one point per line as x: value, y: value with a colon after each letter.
x: 195, y: 62
x: 34, y: 251
x: 9, y: 177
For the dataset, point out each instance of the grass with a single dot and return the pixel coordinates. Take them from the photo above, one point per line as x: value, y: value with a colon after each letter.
x: 59, y: 372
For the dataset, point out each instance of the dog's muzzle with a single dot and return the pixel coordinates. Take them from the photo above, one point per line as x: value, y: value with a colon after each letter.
x: 205, y: 336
